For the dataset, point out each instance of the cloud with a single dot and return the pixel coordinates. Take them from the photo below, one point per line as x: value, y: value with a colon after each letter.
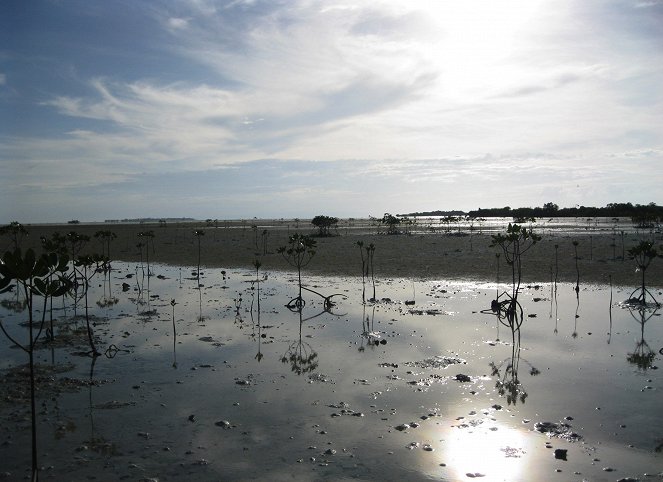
x: 178, y: 23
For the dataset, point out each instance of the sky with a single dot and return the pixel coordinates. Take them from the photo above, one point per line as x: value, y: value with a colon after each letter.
x: 278, y: 109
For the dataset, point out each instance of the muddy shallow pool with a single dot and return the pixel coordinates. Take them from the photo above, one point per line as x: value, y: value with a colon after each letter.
x: 244, y: 388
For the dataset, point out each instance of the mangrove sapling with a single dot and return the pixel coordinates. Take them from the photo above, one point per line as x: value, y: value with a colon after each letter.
x: 298, y: 253
x: 148, y: 238
x: 514, y: 244
x: 643, y: 254
x: 370, y: 255
x: 172, y: 304
x: 16, y: 232
x: 76, y: 242
x: 575, y: 249
x: 198, y: 233
x: 363, y: 271
x: 105, y: 237
x: 39, y: 277
x: 265, y: 234
x: 91, y: 265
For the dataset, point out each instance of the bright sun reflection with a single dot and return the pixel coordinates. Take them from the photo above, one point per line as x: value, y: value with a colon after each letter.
x: 487, y: 451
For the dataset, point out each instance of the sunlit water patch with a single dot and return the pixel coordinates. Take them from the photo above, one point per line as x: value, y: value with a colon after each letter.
x: 216, y: 379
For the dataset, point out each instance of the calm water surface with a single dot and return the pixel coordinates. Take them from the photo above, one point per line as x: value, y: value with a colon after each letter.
x: 434, y: 390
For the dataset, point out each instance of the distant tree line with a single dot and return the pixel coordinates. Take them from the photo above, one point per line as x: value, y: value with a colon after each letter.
x: 642, y: 214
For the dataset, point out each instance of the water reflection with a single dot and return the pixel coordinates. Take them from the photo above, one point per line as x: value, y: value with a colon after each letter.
x: 300, y: 355
x: 510, y: 314
x: 643, y: 355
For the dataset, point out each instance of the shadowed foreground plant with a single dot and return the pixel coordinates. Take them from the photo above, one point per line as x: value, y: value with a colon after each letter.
x: 39, y: 277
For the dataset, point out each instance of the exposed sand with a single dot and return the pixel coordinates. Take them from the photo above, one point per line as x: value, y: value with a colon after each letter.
x: 437, y: 255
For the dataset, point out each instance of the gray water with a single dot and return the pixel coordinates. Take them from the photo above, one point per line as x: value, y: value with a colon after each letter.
x: 370, y: 391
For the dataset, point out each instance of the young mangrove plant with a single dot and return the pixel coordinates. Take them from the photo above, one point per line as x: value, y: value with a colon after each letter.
x: 514, y: 244
x: 147, y: 238
x: 298, y: 253
x: 88, y: 266
x: 198, y: 233
x: 643, y: 254
x: 40, y: 277
x: 172, y: 304
x: 105, y: 237
x: 370, y: 256
x: 363, y: 271
x: 575, y: 256
x: 16, y: 232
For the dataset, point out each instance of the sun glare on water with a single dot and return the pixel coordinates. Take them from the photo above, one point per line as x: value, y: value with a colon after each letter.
x: 495, y: 453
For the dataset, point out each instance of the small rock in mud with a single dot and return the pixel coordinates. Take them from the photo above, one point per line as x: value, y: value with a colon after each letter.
x: 462, y: 378
x: 560, y: 454
x: 559, y: 430
x: 224, y: 424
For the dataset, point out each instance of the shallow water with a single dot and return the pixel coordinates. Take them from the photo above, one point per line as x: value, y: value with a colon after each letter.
x: 385, y: 390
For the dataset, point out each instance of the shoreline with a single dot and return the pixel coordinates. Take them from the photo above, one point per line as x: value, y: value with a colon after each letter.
x: 420, y: 255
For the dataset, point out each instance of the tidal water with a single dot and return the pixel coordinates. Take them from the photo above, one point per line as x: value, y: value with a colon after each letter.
x: 424, y: 383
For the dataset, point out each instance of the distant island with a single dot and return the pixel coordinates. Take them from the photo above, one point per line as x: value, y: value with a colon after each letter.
x: 641, y: 213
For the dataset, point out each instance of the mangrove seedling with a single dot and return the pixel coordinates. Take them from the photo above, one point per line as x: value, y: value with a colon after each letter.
x: 39, y: 277
x: 370, y: 255
x: 198, y: 233
x: 172, y: 304
x: 16, y: 232
x: 643, y: 254
x: 90, y: 265
x: 298, y: 253
x: 514, y: 244
x: 105, y: 237
x: 575, y: 250
x: 363, y: 271
x: 148, y: 238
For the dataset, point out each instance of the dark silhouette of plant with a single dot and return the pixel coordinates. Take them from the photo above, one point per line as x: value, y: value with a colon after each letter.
x: 298, y: 253
x: 392, y: 223
x: 172, y: 304
x: 254, y: 228
x: 324, y: 224
x: 148, y: 240
x: 42, y: 277
x: 105, y: 237
x: 198, y: 233
x: 643, y: 254
x: 370, y: 256
x: 16, y: 232
x: 514, y: 244
x: 364, y: 270
x: 89, y: 265
x: 575, y: 256
x: 265, y: 235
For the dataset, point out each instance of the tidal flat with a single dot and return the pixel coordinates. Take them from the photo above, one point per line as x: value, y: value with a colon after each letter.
x: 422, y: 383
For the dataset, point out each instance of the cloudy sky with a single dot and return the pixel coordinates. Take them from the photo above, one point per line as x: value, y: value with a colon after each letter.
x: 241, y: 109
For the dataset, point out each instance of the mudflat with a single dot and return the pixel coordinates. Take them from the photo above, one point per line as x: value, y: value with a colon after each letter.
x: 601, y: 256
